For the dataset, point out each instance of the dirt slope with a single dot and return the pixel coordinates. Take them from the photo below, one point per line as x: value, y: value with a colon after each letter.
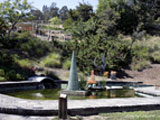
x: 147, y: 76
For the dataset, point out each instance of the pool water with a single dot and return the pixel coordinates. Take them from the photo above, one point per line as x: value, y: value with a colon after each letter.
x: 53, y: 94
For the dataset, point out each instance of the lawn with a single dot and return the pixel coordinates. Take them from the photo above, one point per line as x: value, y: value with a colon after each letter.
x: 138, y: 115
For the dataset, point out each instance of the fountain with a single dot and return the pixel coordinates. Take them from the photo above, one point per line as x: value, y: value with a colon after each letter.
x: 95, y: 90
x: 73, y: 83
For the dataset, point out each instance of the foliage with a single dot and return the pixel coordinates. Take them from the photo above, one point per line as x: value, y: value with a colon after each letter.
x: 52, y: 60
x: 63, y: 13
x: 66, y: 64
x: 139, y: 64
x: 82, y: 81
x: 23, y: 62
x: 29, y: 45
x: 104, y: 32
x: 85, y: 11
x: 55, y: 21
x: 13, y: 12
x: 155, y: 57
x: 36, y: 15
x: 3, y: 27
x: 82, y: 13
x: 107, y: 22
x: 50, y: 12
x: 103, y: 5
x: 10, y: 69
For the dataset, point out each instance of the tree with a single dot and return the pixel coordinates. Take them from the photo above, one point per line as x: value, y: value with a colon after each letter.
x: 63, y: 13
x: 55, y: 21
x: 45, y: 11
x: 13, y: 12
x: 85, y: 11
x: 44, y: 8
x: 50, y: 12
x: 107, y: 23
x: 104, y: 4
x: 3, y: 28
x: 37, y: 14
x: 53, y: 10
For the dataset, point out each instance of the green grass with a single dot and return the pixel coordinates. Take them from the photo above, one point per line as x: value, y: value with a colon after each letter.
x: 139, y: 115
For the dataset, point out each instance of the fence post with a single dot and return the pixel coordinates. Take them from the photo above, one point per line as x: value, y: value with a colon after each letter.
x: 62, y: 113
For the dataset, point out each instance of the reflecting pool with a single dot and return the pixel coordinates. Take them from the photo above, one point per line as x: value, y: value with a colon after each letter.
x: 53, y: 94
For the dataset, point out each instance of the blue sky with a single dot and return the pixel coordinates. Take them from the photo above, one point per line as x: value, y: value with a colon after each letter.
x: 69, y: 3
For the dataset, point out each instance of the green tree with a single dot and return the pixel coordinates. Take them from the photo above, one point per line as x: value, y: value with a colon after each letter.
x: 103, y: 5
x: 107, y: 23
x: 53, y: 10
x: 55, y: 21
x: 63, y: 13
x: 85, y: 11
x: 37, y: 14
x: 3, y: 27
x: 13, y: 12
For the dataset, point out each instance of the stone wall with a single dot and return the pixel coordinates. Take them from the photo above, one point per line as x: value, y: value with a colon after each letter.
x: 18, y: 86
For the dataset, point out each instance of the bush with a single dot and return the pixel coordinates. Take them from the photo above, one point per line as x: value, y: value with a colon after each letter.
x: 155, y: 56
x: 52, y: 60
x: 67, y: 64
x: 140, y: 64
x: 82, y: 81
x: 2, y: 79
x: 29, y: 45
x: 2, y: 74
x: 24, y: 62
x: 12, y: 68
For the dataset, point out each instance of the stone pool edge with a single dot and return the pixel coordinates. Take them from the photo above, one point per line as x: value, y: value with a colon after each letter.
x: 79, y: 107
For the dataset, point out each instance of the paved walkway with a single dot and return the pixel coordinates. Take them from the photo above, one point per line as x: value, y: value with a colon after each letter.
x: 13, y: 105
x: 20, y: 117
x: 155, y: 91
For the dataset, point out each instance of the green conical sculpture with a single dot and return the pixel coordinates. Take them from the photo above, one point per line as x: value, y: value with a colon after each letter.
x: 73, y: 83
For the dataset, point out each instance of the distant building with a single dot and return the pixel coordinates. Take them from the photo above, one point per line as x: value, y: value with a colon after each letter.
x: 26, y: 26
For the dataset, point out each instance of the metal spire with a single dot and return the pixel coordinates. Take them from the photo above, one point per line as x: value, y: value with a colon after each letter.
x: 73, y: 83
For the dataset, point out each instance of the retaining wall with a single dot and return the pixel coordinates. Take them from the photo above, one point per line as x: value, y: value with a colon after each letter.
x: 18, y: 86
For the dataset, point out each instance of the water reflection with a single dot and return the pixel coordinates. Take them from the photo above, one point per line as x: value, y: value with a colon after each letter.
x: 53, y: 94
x: 114, y: 93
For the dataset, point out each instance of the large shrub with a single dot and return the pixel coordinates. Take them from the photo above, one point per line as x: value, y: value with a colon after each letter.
x: 29, y: 45
x: 52, y: 60
x: 11, y: 70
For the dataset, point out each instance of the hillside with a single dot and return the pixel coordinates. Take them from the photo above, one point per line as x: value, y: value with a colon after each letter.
x: 148, y: 76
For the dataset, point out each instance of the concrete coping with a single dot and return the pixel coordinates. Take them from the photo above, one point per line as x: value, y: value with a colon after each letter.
x: 12, y: 105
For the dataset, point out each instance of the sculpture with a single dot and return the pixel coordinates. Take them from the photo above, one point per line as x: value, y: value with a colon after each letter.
x: 102, y: 67
x: 73, y: 83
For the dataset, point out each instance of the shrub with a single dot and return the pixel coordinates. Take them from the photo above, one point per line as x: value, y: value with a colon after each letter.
x: 52, y: 60
x: 2, y: 78
x: 67, y: 64
x: 155, y: 56
x: 140, y: 64
x: 82, y: 81
x: 2, y: 74
x: 31, y: 46
x: 24, y: 63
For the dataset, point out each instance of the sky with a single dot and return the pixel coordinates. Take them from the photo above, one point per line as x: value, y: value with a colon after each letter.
x: 60, y: 3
